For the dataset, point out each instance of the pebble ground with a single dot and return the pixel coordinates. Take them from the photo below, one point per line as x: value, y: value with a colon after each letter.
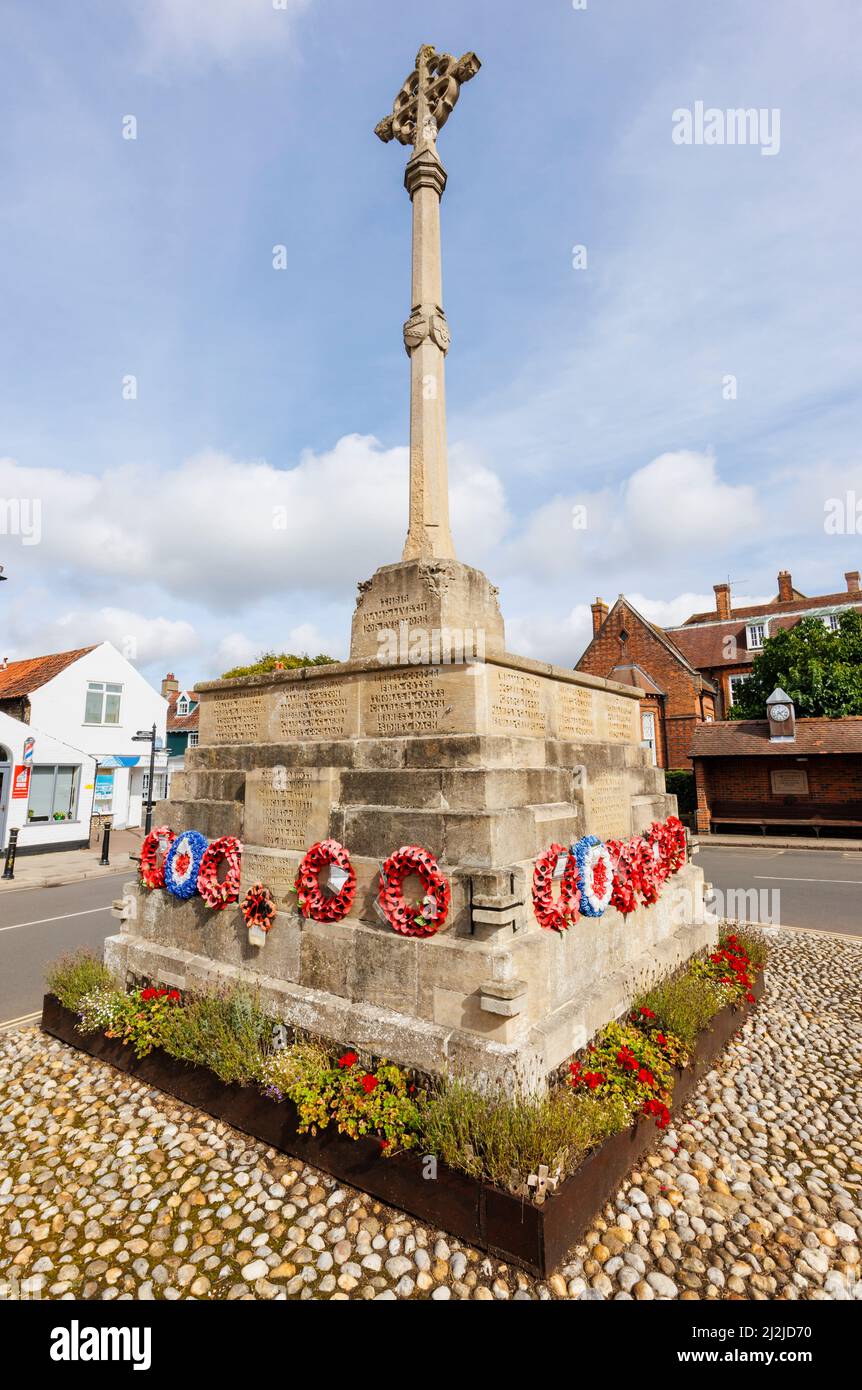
x: 111, y: 1190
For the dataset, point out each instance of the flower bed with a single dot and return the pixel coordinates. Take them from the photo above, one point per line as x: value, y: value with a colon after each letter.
x: 343, y: 1114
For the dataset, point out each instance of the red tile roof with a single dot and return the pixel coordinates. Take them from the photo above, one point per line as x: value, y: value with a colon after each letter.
x: 21, y: 677
x: 181, y: 723
x: 746, y: 738
x: 797, y: 605
x: 707, y: 646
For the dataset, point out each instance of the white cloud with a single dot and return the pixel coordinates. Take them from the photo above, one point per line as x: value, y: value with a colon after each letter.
x: 221, y: 31
x: 142, y: 638
x: 221, y: 533
x: 675, y: 505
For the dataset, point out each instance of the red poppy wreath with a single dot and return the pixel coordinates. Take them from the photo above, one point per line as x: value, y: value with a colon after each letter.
x: 413, y: 919
x: 154, y: 847
x: 258, y: 907
x: 218, y: 893
x: 556, y: 914
x: 314, y: 902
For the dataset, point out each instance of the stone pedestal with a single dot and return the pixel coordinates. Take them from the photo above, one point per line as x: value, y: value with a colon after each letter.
x: 485, y: 765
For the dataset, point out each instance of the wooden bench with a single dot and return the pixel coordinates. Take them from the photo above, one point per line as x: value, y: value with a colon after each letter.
x: 764, y: 813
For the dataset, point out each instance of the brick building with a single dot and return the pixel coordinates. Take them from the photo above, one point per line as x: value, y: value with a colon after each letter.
x: 746, y: 775
x: 627, y: 647
x: 722, y: 644
x: 689, y: 672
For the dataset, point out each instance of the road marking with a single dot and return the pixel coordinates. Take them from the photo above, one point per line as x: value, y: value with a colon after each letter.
x: 783, y: 878
x: 62, y: 918
x: 10, y: 1023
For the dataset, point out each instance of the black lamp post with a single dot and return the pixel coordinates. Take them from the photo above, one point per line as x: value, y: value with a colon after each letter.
x: 148, y: 736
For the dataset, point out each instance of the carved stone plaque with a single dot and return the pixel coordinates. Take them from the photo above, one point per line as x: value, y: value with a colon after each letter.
x: 622, y: 719
x: 607, y: 806
x: 229, y: 718
x: 313, y: 709
x: 575, y: 713
x: 288, y: 808
x: 515, y: 702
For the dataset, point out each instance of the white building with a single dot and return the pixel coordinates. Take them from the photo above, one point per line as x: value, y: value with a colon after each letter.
x: 81, y: 709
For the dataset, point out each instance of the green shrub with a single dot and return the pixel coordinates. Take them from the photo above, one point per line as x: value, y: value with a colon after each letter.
x: 103, y: 1011
x: 227, y: 1031
x: 72, y: 977
x: 684, y: 1005
x: 681, y: 785
x: 506, y: 1139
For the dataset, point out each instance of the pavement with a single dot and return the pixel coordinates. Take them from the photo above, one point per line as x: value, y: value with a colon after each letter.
x: 110, y: 1189
x: 817, y: 889
x: 73, y: 865
x: 779, y: 842
x: 37, y: 927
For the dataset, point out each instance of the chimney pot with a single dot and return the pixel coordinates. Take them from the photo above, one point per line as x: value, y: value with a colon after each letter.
x: 852, y: 578
x: 722, y: 600
x: 785, y: 586
x: 599, y: 610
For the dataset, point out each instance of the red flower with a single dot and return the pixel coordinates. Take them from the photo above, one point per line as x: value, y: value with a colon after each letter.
x: 369, y: 1083
x: 384, y: 1143
x: 174, y: 996
x: 594, y: 1079
x: 347, y: 1060
x: 750, y: 997
x: 627, y: 1059
x: 647, y: 1013
x: 646, y: 1077
x: 661, y: 1039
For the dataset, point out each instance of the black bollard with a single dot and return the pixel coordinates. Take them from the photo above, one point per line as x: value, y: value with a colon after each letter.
x: 9, y: 869
x: 106, y: 842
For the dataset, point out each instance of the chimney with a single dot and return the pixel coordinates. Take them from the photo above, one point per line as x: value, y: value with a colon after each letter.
x: 785, y: 587
x: 852, y: 578
x: 722, y: 600
x: 170, y: 685
x: 599, y: 610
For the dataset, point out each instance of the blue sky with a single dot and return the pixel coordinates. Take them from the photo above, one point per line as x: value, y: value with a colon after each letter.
x: 259, y: 388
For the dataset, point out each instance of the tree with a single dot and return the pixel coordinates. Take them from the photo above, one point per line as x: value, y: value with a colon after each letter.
x: 820, y: 670
x: 267, y: 661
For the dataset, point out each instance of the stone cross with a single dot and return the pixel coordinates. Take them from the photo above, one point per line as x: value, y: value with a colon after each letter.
x: 423, y: 105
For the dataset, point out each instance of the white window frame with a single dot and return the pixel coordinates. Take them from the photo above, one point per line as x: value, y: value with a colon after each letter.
x: 730, y: 684
x: 183, y: 705
x: 650, y: 741
x: 751, y: 640
x: 831, y: 621
x: 103, y: 688
x: 193, y: 738
x: 72, y: 817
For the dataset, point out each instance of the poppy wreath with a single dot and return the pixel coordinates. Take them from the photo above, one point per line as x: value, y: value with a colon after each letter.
x: 556, y: 914
x: 182, y: 863
x: 413, y: 919
x: 152, y: 868
x: 655, y: 841
x: 634, y: 874
x: 670, y: 835
x: 313, y: 902
x: 258, y: 907
x: 218, y: 893
x: 595, y: 875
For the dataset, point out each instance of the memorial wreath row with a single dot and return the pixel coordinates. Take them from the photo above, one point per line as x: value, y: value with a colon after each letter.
x: 591, y: 875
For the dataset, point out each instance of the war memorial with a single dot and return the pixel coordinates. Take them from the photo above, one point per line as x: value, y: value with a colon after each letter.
x: 431, y: 736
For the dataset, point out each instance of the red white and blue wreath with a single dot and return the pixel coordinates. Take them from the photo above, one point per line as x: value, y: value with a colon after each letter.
x: 183, y: 862
x: 595, y: 875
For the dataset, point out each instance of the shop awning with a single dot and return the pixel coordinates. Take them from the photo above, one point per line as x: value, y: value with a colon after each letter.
x: 118, y: 760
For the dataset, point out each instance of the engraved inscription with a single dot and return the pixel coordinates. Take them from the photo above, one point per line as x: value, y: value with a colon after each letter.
x: 516, y: 703
x: 407, y: 702
x: 391, y: 610
x: 620, y: 719
x: 276, y: 871
x: 313, y: 709
x: 607, y: 806
x: 577, y: 719
x: 234, y: 719
x: 288, y: 808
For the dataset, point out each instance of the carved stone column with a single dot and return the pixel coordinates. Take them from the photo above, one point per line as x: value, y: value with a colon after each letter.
x: 426, y: 338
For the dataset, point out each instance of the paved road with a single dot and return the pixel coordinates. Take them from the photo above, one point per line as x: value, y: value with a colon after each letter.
x: 817, y: 888
x: 38, y: 925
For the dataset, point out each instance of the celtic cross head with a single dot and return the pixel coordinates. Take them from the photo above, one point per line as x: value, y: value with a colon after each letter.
x: 425, y: 101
